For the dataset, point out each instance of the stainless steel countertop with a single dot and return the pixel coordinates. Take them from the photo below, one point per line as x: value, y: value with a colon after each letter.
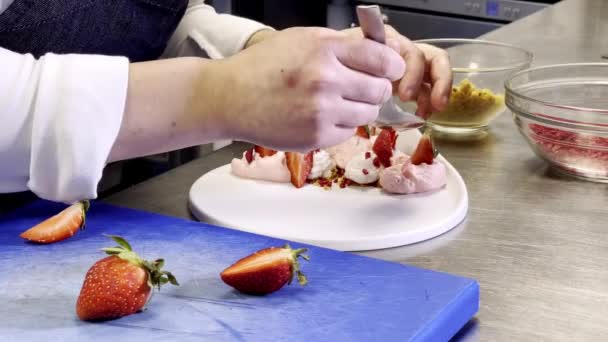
x: 536, y: 242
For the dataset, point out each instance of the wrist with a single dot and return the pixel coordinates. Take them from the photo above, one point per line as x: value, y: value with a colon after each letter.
x: 215, y: 98
x: 259, y: 36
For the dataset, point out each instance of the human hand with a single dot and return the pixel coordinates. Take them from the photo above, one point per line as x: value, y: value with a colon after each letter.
x: 428, y: 74
x: 306, y: 88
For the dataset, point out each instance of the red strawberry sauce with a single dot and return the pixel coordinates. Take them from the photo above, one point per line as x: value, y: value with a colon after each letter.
x: 581, y: 150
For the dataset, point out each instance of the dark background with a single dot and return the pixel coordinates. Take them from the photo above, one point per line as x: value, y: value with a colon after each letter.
x: 281, y: 14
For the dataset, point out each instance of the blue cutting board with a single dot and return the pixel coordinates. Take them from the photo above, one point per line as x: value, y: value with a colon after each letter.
x: 349, y: 298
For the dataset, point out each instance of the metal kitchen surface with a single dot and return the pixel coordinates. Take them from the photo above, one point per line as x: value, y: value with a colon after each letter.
x: 534, y: 240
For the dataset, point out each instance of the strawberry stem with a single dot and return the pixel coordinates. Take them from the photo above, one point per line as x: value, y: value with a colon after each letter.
x: 428, y: 132
x: 85, y: 207
x: 121, y: 242
x: 295, y: 265
x: 156, y: 276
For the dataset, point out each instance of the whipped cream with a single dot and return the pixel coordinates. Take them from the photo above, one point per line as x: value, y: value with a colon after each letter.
x: 322, y: 165
x: 345, y: 151
x: 360, y: 169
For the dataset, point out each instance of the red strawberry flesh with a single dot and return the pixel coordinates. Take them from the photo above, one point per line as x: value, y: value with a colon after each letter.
x: 265, y: 271
x: 425, y: 152
x: 264, y: 152
x: 363, y: 132
x: 249, y: 156
x: 299, y: 166
x: 384, y: 145
x: 59, y: 227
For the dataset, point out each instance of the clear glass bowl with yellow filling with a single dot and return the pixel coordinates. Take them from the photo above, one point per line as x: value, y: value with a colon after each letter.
x: 479, y: 69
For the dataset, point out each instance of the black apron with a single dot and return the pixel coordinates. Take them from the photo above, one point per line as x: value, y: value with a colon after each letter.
x: 137, y: 29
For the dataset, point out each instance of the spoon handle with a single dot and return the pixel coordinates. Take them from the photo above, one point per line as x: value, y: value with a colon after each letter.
x: 370, y: 21
x: 390, y: 115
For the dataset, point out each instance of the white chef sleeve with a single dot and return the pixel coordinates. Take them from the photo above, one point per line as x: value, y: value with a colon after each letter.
x: 60, y: 116
x: 217, y: 35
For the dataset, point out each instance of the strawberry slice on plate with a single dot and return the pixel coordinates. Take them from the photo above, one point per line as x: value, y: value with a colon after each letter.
x: 299, y: 166
x: 59, y: 227
x: 425, y: 151
x: 120, y: 284
x: 384, y: 145
x: 266, y: 271
x: 363, y: 132
x: 264, y: 152
x: 249, y: 156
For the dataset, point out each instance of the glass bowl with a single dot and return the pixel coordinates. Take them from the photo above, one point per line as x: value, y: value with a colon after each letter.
x: 562, y: 112
x: 480, y: 69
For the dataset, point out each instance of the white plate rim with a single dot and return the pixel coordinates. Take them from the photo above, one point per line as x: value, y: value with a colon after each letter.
x: 352, y: 244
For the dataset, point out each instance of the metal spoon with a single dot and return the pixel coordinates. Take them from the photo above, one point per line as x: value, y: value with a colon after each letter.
x: 390, y: 115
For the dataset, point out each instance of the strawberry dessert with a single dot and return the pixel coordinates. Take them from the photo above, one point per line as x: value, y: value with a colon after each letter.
x: 322, y: 165
x: 345, y: 151
x: 365, y: 159
x: 420, y: 173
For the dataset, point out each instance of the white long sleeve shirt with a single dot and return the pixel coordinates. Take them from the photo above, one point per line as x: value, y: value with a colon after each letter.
x: 61, y: 114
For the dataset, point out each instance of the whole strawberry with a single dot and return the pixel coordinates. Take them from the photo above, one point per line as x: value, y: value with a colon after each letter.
x: 266, y: 271
x: 119, y: 285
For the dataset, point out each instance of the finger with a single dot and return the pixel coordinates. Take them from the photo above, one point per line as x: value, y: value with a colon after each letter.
x: 440, y: 94
x: 439, y: 75
x: 339, y: 135
x: 352, y: 114
x: 395, y: 87
x: 424, y: 108
x: 415, y: 70
x: 336, y: 135
x: 359, y: 87
x: 394, y: 44
x: 369, y: 57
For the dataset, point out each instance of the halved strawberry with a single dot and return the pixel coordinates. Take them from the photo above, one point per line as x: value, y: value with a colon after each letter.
x: 384, y: 145
x: 425, y: 151
x: 363, y: 132
x: 59, y: 227
x: 264, y: 152
x: 119, y: 285
x: 249, y: 155
x: 266, y: 270
x: 299, y: 166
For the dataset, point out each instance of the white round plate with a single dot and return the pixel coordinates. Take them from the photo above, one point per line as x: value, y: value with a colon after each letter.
x: 351, y: 219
